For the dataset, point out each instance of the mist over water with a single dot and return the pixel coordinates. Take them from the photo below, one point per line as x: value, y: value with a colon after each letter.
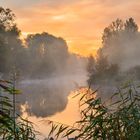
x: 48, y: 72
x: 49, y: 69
x: 47, y: 96
x: 56, y: 72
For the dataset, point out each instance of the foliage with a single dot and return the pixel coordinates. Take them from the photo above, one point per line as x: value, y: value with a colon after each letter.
x: 134, y: 72
x: 131, y: 26
x: 91, y: 64
x: 118, y: 55
x: 10, y: 44
x: 12, y: 127
x: 39, y: 54
x: 120, y: 43
x: 100, y: 70
x: 116, y: 120
x: 46, y: 53
x: 118, y: 29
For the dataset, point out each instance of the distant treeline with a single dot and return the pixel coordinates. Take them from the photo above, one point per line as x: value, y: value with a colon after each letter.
x: 43, y: 54
x: 119, y: 56
x: 36, y: 56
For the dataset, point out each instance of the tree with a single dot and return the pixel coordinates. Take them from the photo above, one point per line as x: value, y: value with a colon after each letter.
x: 6, y: 19
x: 112, y: 31
x: 91, y: 65
x: 98, y: 69
x: 117, y: 30
x: 47, y: 53
x: 130, y: 26
x: 10, y: 44
x: 101, y: 62
x: 120, y: 41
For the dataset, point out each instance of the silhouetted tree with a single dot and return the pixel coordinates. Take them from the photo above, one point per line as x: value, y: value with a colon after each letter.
x: 10, y: 44
x: 130, y: 26
x: 120, y: 48
x: 112, y: 31
x: 101, y: 70
x: 47, y: 53
x: 101, y: 62
x: 91, y: 65
x: 120, y: 42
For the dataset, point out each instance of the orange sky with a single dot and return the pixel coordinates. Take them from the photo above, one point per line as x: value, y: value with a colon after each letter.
x: 79, y: 22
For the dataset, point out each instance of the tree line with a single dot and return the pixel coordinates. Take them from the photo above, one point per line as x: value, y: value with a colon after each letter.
x: 119, y: 55
x: 39, y: 54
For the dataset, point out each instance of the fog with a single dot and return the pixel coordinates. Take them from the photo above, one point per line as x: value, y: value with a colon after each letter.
x: 47, y: 71
x: 122, y: 47
x: 126, y: 54
x: 55, y: 72
x: 117, y: 61
x: 47, y: 96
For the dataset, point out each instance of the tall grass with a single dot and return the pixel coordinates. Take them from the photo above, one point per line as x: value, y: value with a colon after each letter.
x: 115, y: 119
x: 12, y: 125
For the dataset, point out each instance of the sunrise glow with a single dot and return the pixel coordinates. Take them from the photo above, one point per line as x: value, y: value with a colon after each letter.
x: 80, y: 23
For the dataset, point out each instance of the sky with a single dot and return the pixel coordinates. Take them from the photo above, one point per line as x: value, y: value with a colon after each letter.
x: 79, y: 22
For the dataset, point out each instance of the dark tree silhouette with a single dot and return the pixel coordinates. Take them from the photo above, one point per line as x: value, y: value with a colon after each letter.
x: 10, y: 44
x: 91, y: 65
x: 47, y: 53
x: 101, y: 62
x: 131, y: 26
x: 100, y: 70
x: 112, y: 31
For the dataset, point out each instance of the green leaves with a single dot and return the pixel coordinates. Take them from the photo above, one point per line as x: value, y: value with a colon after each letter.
x: 7, y: 87
x: 10, y: 127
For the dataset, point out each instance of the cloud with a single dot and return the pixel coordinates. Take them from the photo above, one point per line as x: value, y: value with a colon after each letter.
x: 80, y: 19
x: 30, y: 3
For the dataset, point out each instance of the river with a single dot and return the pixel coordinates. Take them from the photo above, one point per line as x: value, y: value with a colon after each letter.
x: 51, y: 99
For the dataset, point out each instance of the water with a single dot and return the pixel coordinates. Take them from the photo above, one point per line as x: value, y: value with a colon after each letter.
x: 68, y: 116
x: 51, y: 99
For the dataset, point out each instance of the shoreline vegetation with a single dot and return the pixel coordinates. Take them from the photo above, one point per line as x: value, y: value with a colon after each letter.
x: 117, y: 119
x: 12, y: 125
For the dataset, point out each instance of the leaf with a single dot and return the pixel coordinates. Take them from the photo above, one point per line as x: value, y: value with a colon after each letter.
x: 62, y: 128
x: 70, y: 132
x: 53, y: 128
x: 5, y: 103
